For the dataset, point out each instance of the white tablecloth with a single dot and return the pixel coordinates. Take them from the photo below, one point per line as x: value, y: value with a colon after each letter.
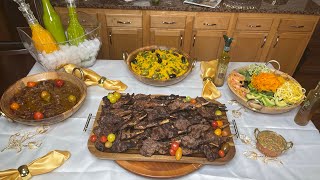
x: 300, y: 162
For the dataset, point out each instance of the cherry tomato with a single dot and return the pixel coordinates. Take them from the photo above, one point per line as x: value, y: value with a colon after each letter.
x: 218, y: 113
x: 113, y: 100
x: 221, y: 153
x: 72, y: 98
x: 188, y: 99
x: 193, y: 101
x: 31, y: 84
x: 93, y: 138
x: 224, y: 133
x: 111, y: 137
x: 172, y: 152
x: 178, y: 153
x: 225, y: 147
x: 174, y: 145
x: 38, y: 115
x: 45, y: 95
x: 14, y: 106
x: 217, y: 132
x: 117, y: 95
x: 220, y: 123
x: 110, y: 95
x: 59, y: 82
x: 108, y: 144
x: 103, y: 139
x: 214, y: 124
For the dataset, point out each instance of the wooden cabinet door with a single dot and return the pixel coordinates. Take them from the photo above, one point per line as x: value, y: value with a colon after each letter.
x: 247, y: 47
x: 287, y: 49
x: 123, y: 40
x: 167, y: 37
x: 207, y: 45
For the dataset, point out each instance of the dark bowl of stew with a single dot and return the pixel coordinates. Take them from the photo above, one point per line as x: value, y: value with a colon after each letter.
x: 43, y: 99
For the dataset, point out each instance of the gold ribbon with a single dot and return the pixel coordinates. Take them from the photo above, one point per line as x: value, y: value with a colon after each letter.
x: 208, y: 70
x: 91, y: 78
x: 45, y: 164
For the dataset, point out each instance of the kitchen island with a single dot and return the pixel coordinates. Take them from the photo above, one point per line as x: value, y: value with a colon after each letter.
x: 300, y: 162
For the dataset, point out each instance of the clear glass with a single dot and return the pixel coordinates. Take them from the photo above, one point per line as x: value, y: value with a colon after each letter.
x: 83, y: 55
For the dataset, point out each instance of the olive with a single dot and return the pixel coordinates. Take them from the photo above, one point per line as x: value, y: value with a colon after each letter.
x: 145, y: 73
x: 159, y: 60
x: 158, y: 55
x: 225, y: 147
x: 152, y: 50
x: 155, y: 76
x: 134, y: 61
x: 183, y: 60
x: 172, y: 76
x: 158, y: 70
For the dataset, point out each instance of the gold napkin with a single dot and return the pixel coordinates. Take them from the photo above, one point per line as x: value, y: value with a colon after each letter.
x: 92, y: 78
x: 45, y: 164
x: 208, y: 70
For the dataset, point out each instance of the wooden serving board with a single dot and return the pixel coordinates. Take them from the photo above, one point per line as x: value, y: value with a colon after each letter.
x: 160, y: 166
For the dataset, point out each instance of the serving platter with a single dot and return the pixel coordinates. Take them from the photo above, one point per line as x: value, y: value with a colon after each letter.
x: 256, y: 106
x: 20, y: 84
x: 160, y: 166
x: 128, y: 58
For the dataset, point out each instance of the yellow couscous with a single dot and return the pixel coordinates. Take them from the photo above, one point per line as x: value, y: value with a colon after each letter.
x: 160, y: 64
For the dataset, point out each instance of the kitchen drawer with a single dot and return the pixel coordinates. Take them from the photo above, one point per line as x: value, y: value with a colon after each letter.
x: 205, y: 22
x: 168, y: 21
x: 124, y: 21
x: 296, y: 25
x: 254, y: 24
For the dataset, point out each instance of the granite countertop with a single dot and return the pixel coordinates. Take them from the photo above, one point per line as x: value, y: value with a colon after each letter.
x: 308, y: 7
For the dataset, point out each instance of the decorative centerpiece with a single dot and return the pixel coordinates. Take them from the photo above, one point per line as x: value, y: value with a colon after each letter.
x: 52, y: 46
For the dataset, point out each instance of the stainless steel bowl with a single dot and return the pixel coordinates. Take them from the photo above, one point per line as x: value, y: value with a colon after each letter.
x: 156, y: 82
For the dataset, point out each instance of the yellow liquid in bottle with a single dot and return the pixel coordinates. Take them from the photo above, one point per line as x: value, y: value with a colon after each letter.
x: 43, y: 40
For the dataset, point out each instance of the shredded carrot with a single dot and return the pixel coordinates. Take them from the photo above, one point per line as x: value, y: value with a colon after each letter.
x: 267, y: 82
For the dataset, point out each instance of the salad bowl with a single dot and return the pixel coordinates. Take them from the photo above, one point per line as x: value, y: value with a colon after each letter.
x: 263, y: 102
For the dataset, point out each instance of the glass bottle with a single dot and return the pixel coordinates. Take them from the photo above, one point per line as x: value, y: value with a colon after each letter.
x: 52, y: 22
x: 42, y: 39
x: 75, y: 31
x: 223, y: 62
x: 309, y: 107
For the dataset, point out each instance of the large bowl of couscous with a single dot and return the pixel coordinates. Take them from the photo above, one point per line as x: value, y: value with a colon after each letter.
x: 159, y: 65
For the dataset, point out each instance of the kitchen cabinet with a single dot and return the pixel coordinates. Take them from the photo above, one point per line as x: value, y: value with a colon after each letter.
x: 207, y: 37
x: 124, y: 33
x: 207, y: 45
x: 123, y: 40
x: 248, y: 46
x: 258, y: 37
x: 251, y: 34
x: 167, y: 30
x: 290, y: 40
x: 287, y: 49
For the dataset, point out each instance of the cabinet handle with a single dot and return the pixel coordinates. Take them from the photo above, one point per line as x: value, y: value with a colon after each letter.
x: 124, y: 22
x: 194, y: 40
x: 276, y: 42
x: 207, y: 24
x: 165, y: 22
x: 254, y: 26
x: 110, y: 38
x: 264, y: 41
x: 296, y: 26
x: 181, y: 39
